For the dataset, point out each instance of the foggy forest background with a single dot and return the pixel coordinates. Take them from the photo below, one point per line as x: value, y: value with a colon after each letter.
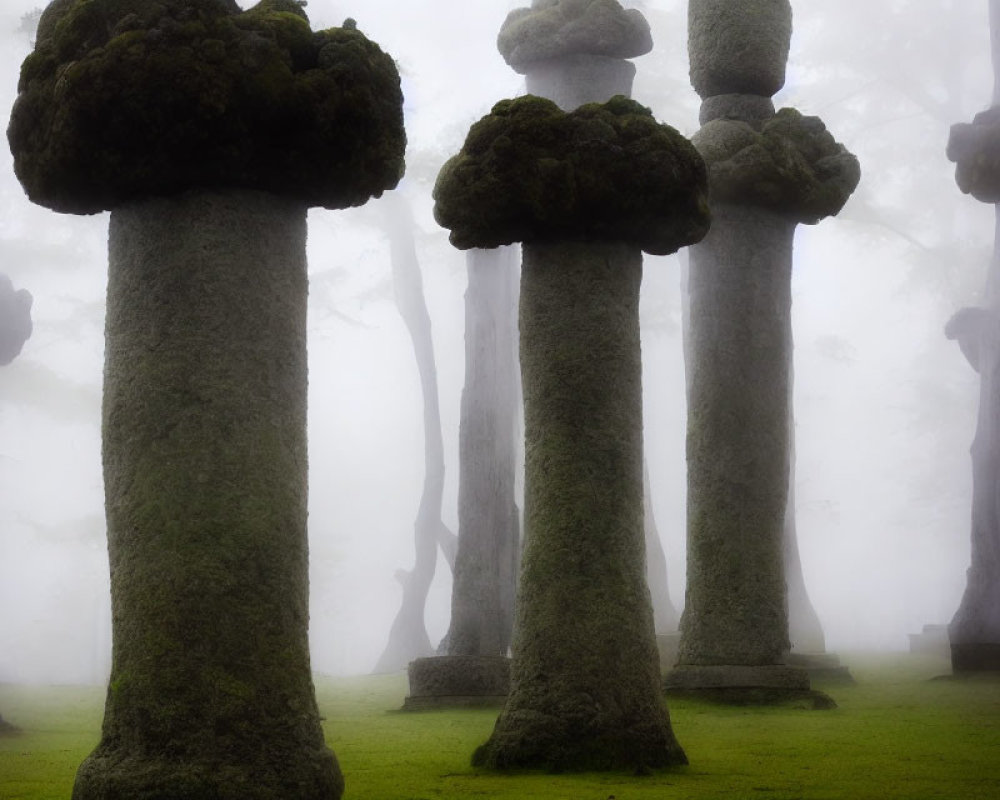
x: 884, y: 405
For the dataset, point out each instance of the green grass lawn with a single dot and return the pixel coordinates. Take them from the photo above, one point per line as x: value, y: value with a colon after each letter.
x: 896, y: 734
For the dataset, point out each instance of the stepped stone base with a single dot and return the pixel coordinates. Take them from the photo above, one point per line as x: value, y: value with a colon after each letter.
x: 457, y: 682
x: 971, y: 657
x: 822, y: 667
x: 932, y: 641
x: 739, y: 684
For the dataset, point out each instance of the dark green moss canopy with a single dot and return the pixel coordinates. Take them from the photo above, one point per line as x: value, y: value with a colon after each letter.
x: 558, y: 28
x: 791, y: 165
x: 530, y: 172
x: 124, y: 99
x: 975, y: 149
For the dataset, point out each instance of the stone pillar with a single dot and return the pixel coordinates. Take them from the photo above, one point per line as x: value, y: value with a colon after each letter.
x: 587, y: 191
x: 572, y: 53
x: 204, y: 449
x: 575, y: 51
x: 974, y: 631
x: 767, y: 172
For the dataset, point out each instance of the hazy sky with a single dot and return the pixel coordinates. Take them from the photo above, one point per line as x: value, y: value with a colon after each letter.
x: 885, y: 406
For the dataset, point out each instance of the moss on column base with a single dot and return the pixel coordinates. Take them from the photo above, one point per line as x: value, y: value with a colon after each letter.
x: 975, y: 657
x: 533, y: 740
x: 811, y: 699
x: 112, y: 775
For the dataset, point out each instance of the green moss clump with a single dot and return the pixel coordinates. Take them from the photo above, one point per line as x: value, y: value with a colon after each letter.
x: 125, y: 99
x: 975, y: 149
x: 558, y: 28
x: 530, y: 172
x: 791, y: 165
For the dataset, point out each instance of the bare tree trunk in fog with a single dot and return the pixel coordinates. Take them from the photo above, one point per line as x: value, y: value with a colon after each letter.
x: 408, y: 637
x: 665, y: 616
x: 482, y: 607
x: 15, y: 329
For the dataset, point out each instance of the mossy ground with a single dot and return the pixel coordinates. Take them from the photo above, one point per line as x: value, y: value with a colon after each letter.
x: 896, y: 734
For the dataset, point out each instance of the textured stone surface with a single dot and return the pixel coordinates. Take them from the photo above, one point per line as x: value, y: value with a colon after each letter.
x: 737, y: 443
x: 751, y: 108
x: 585, y: 691
x: 15, y: 320
x: 204, y: 452
x: 772, y: 676
x: 553, y: 29
x: 975, y: 149
x: 791, y: 165
x: 970, y: 657
x: 459, y: 676
x: 530, y: 172
x: 485, y: 573
x: 574, y: 80
x: 124, y: 99
x: 738, y: 46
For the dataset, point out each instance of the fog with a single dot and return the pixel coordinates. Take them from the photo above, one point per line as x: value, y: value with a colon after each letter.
x: 885, y: 406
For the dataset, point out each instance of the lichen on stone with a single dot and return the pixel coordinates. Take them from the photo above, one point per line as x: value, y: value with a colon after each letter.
x: 530, y: 172
x: 126, y: 99
x: 789, y: 164
x: 975, y: 149
x: 738, y: 47
x: 558, y: 28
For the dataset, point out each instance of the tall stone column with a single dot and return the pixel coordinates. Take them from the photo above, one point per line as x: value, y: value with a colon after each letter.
x: 571, y: 52
x: 204, y: 413
x: 768, y: 172
x: 586, y: 191
x: 974, y: 631
x: 574, y: 52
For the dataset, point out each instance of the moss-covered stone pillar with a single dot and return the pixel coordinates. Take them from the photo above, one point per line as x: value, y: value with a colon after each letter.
x: 207, y: 132
x: 767, y: 172
x: 205, y: 483
x: 974, y: 631
x: 587, y: 192
x: 575, y: 51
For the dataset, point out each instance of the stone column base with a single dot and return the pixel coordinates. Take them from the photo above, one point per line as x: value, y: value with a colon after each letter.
x: 740, y: 684
x: 970, y: 657
x: 823, y: 667
x: 457, y: 682
x: 931, y: 641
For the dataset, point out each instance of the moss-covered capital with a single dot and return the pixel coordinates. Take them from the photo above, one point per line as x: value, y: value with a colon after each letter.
x: 530, y: 172
x: 975, y: 149
x: 559, y: 28
x: 124, y: 99
x: 15, y: 320
x: 738, y: 47
x: 791, y: 165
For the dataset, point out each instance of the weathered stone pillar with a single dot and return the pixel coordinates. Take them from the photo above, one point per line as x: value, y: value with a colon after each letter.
x: 571, y: 52
x: 767, y: 172
x: 974, y: 631
x: 208, y: 132
x: 575, y: 51
x: 587, y: 191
